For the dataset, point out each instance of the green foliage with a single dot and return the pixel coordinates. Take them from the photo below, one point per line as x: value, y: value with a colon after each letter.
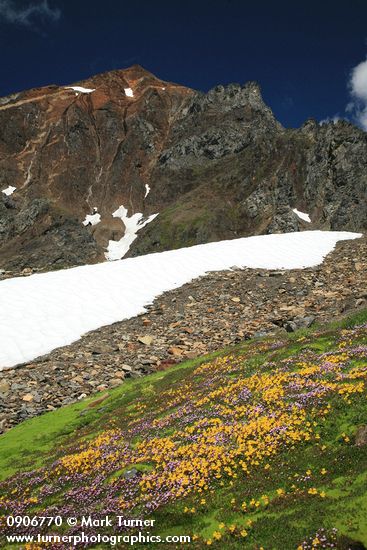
x: 319, y: 484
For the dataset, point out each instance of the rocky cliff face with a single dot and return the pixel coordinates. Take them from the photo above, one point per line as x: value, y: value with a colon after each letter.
x: 215, y: 166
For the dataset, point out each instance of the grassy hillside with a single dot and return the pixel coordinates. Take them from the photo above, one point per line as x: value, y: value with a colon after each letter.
x: 252, y: 448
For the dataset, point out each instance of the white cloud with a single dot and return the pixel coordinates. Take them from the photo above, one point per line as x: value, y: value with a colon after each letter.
x: 356, y: 109
x: 358, y: 91
x: 359, y: 81
x: 334, y: 119
x: 27, y: 15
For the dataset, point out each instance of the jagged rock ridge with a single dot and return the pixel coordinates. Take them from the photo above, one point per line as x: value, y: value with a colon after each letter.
x: 218, y: 165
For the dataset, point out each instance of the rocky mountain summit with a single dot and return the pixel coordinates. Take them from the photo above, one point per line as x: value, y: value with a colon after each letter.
x: 214, y: 165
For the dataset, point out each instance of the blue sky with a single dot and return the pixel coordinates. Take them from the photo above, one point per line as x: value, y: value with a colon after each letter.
x: 301, y: 52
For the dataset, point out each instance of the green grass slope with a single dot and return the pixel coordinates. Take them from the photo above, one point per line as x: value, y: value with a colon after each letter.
x: 255, y: 447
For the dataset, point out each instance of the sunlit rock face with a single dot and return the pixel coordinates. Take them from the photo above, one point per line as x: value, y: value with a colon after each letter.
x: 214, y: 166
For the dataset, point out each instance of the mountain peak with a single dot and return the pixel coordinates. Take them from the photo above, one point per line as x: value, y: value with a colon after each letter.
x: 214, y: 165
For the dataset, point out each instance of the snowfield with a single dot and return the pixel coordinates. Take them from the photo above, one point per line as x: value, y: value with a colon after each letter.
x: 42, y: 312
x: 81, y: 89
x: 116, y: 250
x: 302, y: 215
x: 92, y: 219
x: 9, y: 190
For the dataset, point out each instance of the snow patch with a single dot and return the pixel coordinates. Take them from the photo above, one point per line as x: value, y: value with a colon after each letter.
x: 45, y: 311
x: 302, y: 215
x: 129, y: 92
x: 117, y: 249
x: 9, y: 190
x: 81, y: 89
x: 147, y: 190
x: 92, y: 219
